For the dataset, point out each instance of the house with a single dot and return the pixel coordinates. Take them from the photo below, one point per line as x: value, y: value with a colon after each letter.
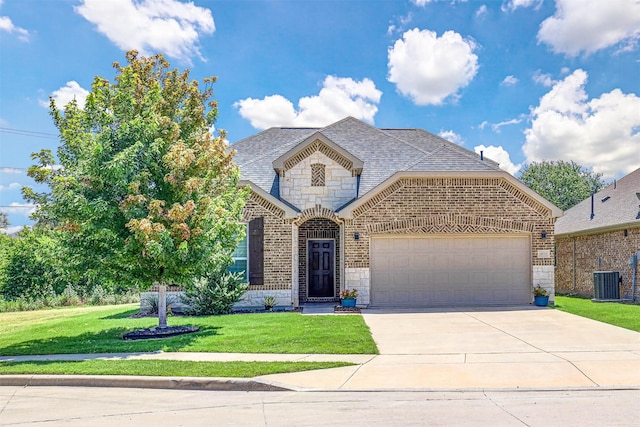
x: 402, y: 215
x: 601, y: 233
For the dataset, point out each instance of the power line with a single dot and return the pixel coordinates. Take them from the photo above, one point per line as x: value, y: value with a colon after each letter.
x: 31, y: 133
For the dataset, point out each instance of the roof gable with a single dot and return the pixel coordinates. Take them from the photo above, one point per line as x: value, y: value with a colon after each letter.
x: 615, y: 206
x: 375, y: 154
x: 318, y: 142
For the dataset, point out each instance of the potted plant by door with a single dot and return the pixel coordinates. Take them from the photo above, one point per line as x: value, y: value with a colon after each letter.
x: 540, y: 296
x: 348, y: 297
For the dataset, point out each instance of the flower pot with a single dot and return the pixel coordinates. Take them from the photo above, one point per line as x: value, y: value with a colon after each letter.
x: 348, y: 302
x: 541, y: 301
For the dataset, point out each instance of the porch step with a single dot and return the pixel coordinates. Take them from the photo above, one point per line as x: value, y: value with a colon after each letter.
x: 318, y: 308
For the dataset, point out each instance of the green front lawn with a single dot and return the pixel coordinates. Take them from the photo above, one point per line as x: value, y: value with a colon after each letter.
x: 623, y: 315
x: 100, y: 330
x: 163, y: 368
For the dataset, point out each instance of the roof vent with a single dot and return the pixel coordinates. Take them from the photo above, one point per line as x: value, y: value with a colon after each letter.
x: 605, y: 199
x: 482, y: 158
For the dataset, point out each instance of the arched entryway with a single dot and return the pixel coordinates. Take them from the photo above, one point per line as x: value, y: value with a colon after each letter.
x: 319, y: 260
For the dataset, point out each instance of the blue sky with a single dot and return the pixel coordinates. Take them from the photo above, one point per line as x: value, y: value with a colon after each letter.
x: 523, y: 80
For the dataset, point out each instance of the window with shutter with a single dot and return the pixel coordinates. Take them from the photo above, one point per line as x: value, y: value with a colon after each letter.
x: 240, y: 257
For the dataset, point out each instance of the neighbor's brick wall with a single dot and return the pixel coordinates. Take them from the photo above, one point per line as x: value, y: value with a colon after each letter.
x: 449, y: 205
x: 277, y: 243
x: 614, y: 250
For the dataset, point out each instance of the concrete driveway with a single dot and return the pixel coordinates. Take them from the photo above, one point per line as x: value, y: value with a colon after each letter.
x: 486, y: 348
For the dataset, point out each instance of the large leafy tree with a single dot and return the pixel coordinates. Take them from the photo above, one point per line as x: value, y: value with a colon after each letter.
x: 144, y: 193
x: 565, y: 184
x: 4, y: 220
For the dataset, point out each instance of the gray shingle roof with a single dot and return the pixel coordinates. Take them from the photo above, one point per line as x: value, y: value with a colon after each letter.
x: 383, y: 151
x: 615, y: 205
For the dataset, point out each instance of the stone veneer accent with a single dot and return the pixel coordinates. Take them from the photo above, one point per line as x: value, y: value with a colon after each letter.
x: 358, y: 278
x: 614, y: 251
x: 543, y: 275
x: 256, y: 298
x: 339, y: 184
x: 250, y: 299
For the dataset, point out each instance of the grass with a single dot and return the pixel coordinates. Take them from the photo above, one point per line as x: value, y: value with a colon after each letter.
x: 100, y: 330
x: 167, y: 368
x: 623, y: 315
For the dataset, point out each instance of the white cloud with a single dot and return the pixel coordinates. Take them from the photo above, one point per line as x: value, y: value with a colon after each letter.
x: 588, y: 26
x: 499, y: 155
x: 429, y: 69
x: 421, y: 3
x: 151, y: 26
x: 482, y: 10
x: 496, y: 126
x: 8, y: 26
x: 11, y: 186
x: 402, y: 23
x: 11, y: 170
x: 72, y: 90
x: 11, y: 230
x: 599, y: 133
x: 512, y: 5
x: 543, y: 79
x: 25, y: 209
x: 338, y: 98
x: 450, y: 135
x: 483, y: 125
x: 510, y: 80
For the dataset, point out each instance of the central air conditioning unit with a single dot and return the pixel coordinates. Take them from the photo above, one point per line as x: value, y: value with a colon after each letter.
x: 606, y: 285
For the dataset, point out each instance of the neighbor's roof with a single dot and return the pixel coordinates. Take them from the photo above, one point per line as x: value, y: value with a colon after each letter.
x: 383, y: 152
x: 615, y: 206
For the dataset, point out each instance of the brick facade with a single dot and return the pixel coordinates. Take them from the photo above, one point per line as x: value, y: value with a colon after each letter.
x: 449, y: 206
x: 407, y: 206
x: 578, y: 258
x: 277, y: 244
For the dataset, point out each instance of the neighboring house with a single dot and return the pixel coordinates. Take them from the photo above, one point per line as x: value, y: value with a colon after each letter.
x: 600, y: 236
x: 403, y: 216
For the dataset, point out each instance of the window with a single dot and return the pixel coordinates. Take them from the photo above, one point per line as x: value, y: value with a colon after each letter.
x: 248, y: 258
x: 317, y: 175
x: 240, y: 257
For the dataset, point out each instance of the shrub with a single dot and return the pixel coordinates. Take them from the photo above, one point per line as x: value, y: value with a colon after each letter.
x: 150, y: 303
x: 214, y: 295
x: 31, y: 267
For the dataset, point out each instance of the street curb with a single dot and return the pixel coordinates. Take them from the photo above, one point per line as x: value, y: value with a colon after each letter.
x: 169, y: 383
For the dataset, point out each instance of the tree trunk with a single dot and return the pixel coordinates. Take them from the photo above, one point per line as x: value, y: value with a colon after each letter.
x: 162, y: 306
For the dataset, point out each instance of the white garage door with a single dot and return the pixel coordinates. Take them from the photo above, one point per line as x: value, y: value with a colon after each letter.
x: 450, y: 270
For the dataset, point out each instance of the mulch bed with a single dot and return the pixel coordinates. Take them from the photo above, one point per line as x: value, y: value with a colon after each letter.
x: 156, y: 332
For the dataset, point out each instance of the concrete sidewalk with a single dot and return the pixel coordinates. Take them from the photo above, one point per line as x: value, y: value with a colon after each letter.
x: 443, y: 349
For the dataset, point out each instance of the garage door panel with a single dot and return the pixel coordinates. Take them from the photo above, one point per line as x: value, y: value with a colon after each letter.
x: 445, y: 270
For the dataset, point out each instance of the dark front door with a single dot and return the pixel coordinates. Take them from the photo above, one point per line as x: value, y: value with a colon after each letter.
x: 321, y: 260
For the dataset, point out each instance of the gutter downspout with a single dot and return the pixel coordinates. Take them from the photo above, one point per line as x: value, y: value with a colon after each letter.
x: 574, y: 264
x: 634, y: 267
